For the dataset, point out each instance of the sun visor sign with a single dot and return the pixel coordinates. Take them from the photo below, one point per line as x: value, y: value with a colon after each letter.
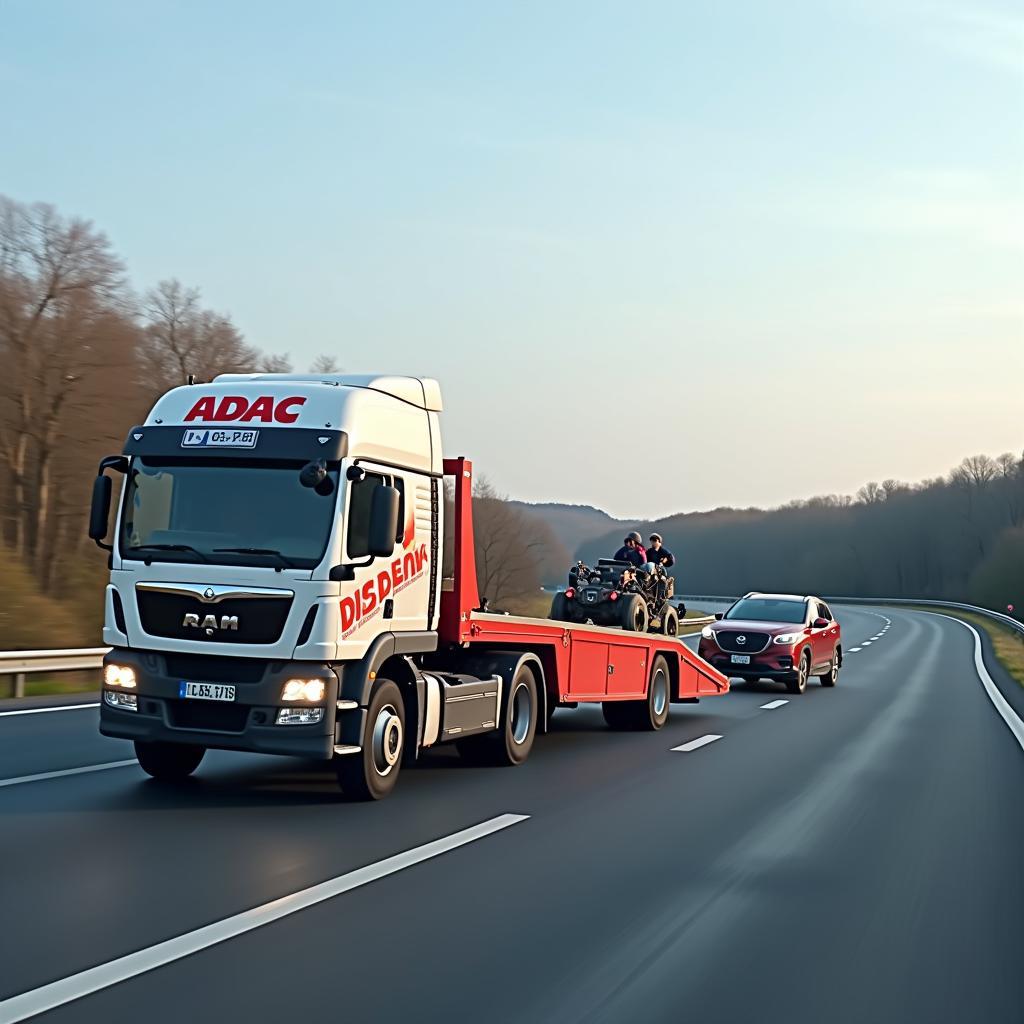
x: 207, y: 438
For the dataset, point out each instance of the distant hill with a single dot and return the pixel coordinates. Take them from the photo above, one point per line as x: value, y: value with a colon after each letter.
x: 573, y: 525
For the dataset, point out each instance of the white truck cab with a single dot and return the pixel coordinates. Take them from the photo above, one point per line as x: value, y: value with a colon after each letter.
x: 248, y: 552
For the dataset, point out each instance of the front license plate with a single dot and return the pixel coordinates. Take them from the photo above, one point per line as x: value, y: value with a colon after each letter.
x: 220, y: 438
x: 206, y: 691
x: 741, y: 659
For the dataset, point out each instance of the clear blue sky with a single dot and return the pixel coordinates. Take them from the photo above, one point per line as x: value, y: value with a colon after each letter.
x: 789, y: 232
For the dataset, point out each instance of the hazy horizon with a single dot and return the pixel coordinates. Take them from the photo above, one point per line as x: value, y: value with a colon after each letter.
x: 663, y: 261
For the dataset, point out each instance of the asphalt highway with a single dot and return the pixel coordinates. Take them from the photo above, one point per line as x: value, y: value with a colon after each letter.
x: 848, y: 855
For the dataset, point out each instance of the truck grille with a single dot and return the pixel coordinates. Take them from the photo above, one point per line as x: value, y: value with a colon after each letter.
x: 207, y: 668
x: 753, y: 643
x: 259, y: 620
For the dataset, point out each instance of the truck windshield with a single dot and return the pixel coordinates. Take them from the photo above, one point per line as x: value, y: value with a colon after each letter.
x: 767, y: 609
x: 229, y: 511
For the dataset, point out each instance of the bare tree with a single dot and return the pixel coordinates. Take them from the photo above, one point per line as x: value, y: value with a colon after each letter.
x: 871, y: 494
x: 59, y: 281
x: 180, y: 337
x: 274, y: 364
x: 325, y: 364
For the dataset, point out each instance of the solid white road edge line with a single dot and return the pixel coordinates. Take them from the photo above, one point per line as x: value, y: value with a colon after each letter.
x: 1009, y: 716
x: 40, y: 711
x: 57, y: 993
x: 772, y: 705
x: 696, y: 744
x: 67, y: 771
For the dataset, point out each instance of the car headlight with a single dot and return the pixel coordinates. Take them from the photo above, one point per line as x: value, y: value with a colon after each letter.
x: 787, y: 638
x: 119, y: 675
x: 310, y: 690
x: 708, y: 633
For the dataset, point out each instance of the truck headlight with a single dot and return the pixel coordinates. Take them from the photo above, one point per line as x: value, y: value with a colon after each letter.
x: 787, y: 638
x: 310, y: 690
x: 119, y: 675
x: 708, y: 633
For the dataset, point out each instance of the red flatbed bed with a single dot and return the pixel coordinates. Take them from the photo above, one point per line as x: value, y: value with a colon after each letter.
x: 582, y: 663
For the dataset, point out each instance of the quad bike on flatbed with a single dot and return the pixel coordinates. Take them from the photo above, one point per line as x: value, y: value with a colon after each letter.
x: 618, y: 594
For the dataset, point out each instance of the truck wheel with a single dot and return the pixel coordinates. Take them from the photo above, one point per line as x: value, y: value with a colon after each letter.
x: 633, y: 614
x: 559, y: 608
x: 652, y: 714
x: 831, y: 677
x: 670, y: 621
x: 511, y: 742
x: 373, y: 772
x: 168, y: 762
x: 798, y: 683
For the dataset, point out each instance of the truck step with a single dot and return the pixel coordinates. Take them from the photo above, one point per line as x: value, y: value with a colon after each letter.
x: 346, y: 748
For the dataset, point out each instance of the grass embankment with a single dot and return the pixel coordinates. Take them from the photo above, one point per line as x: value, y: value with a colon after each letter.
x: 1008, y: 644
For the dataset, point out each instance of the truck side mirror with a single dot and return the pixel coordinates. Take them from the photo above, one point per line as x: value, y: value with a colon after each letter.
x: 383, y: 520
x: 99, y: 513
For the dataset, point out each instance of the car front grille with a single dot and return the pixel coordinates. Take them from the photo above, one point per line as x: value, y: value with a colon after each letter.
x: 751, y: 643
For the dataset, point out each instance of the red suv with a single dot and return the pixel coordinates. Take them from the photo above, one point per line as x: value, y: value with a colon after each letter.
x: 775, y: 636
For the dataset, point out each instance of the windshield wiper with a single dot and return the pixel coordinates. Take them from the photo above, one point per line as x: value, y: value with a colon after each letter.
x: 285, y: 562
x: 169, y: 547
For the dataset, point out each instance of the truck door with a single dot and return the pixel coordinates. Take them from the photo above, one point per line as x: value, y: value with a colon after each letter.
x: 588, y: 667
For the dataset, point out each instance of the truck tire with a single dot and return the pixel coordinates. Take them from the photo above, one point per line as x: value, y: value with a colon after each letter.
x: 559, y: 608
x: 633, y: 614
x: 373, y: 772
x: 831, y: 677
x: 670, y: 621
x: 511, y: 742
x: 798, y: 682
x: 648, y: 714
x: 168, y: 762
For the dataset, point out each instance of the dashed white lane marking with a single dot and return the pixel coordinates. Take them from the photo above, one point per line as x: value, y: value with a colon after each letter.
x: 879, y: 637
x: 772, y: 705
x: 57, y: 993
x: 66, y: 771
x: 853, y: 650
x: 40, y: 711
x: 696, y: 744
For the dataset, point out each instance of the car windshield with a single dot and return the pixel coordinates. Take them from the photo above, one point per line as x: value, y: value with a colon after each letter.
x: 230, y: 511
x: 768, y: 609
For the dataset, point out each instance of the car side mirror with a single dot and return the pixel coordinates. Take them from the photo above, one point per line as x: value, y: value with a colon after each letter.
x: 383, y: 520
x: 719, y: 615
x: 99, y: 513
x: 819, y: 623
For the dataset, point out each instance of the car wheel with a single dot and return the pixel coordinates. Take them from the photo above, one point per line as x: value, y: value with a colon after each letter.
x: 831, y: 677
x: 798, y: 683
x: 670, y: 621
x: 633, y: 614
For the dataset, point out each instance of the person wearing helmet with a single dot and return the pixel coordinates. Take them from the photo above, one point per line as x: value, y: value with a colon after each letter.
x: 632, y: 551
x: 658, y: 554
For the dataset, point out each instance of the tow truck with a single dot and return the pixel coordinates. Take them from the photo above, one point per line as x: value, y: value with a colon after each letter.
x: 276, y: 587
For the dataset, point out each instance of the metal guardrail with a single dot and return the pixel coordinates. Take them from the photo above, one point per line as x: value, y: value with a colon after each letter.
x: 22, y: 663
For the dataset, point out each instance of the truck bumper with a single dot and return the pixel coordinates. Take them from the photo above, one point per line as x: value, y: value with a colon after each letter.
x: 248, y: 723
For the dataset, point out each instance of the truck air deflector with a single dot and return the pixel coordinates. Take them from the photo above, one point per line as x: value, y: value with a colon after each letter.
x: 270, y: 442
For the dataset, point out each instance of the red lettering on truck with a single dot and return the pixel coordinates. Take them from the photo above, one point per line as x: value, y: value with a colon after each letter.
x: 368, y: 599
x: 236, y: 407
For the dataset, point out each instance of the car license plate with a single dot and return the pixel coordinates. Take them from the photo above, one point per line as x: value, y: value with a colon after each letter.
x: 206, y: 691
x: 741, y: 659
x: 220, y: 438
